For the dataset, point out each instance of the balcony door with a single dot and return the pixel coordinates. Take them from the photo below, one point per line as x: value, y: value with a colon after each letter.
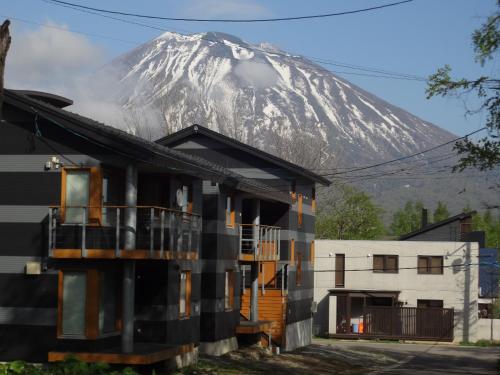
x: 77, y: 194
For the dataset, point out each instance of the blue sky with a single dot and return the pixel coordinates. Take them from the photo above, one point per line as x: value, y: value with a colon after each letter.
x: 414, y: 38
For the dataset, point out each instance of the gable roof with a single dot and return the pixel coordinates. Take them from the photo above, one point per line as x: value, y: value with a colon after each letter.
x: 134, y: 148
x: 198, y: 129
x: 461, y: 216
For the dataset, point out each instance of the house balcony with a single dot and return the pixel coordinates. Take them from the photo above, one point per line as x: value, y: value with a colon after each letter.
x: 100, y: 233
x: 259, y: 243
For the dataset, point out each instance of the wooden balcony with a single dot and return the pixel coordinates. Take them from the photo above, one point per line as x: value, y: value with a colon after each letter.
x: 259, y: 243
x: 160, y: 233
x: 144, y: 354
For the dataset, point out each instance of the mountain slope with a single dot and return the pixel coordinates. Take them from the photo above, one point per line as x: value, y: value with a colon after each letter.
x: 282, y: 103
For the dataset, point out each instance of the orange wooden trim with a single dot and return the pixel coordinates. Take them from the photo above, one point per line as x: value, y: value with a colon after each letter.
x: 67, y: 253
x: 124, y: 359
x: 252, y: 329
x: 230, y: 216
x: 230, y: 277
x: 95, y: 196
x: 188, y: 293
x: 299, y: 210
x: 60, y: 287
x: 292, y: 250
x: 298, y: 271
x: 92, y: 305
x: 101, y: 253
x: 134, y: 254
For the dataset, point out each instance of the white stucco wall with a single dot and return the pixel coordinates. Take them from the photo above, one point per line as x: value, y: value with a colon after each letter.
x: 457, y: 286
x: 488, y: 329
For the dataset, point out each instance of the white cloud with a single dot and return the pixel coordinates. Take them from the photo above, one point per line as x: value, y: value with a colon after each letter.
x: 50, y: 59
x: 255, y: 73
x: 217, y: 8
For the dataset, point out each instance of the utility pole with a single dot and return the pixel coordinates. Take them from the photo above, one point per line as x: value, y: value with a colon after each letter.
x: 4, y: 47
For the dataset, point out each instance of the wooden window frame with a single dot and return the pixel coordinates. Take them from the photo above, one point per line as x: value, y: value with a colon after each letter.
x: 428, y: 268
x: 230, y: 215
x: 229, y: 274
x: 313, y: 200
x: 292, y: 250
x: 293, y: 192
x: 298, y: 269
x: 300, y: 211
x: 92, y: 304
x: 187, y: 313
x: 94, y: 213
x: 340, y: 271
x: 384, y: 263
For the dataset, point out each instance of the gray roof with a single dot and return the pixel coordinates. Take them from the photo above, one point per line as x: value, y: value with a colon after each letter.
x: 136, y: 148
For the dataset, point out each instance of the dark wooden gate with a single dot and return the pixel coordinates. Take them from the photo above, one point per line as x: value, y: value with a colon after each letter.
x: 430, y: 323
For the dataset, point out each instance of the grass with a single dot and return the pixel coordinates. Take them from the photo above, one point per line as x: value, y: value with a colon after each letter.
x: 481, y: 343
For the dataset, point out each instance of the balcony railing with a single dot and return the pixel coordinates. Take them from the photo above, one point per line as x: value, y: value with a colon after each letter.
x: 259, y: 242
x: 160, y: 233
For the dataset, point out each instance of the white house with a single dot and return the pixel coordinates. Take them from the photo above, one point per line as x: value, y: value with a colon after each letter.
x: 397, y: 289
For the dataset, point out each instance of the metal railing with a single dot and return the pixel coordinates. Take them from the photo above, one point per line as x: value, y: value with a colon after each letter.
x: 158, y: 229
x: 262, y: 242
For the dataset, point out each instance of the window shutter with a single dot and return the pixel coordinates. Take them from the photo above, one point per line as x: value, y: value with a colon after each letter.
x: 422, y: 265
x: 95, y: 210
x: 378, y: 263
x: 437, y: 265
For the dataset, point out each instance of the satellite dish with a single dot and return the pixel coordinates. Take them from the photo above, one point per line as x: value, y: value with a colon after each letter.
x: 180, y: 197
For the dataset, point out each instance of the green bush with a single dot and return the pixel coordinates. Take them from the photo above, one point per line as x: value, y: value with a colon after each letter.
x: 70, y: 366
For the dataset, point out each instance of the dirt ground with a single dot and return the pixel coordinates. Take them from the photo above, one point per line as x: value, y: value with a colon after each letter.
x: 314, y: 359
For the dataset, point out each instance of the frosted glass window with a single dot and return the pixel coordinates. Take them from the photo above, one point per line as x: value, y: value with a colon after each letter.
x: 77, y: 194
x: 107, y: 303
x: 182, y: 292
x: 74, y: 298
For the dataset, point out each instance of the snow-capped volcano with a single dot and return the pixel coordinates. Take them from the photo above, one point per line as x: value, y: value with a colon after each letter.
x: 252, y: 91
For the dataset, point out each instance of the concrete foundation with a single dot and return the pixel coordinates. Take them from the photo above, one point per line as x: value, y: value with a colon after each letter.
x: 298, y: 334
x: 182, y: 360
x: 218, y: 348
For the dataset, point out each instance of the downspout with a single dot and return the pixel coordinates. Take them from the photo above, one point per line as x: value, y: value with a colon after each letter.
x: 129, y: 265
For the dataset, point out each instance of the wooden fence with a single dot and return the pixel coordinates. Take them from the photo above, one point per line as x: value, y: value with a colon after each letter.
x: 430, y: 323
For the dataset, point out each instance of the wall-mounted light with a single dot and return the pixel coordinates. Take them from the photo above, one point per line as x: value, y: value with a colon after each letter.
x: 53, y: 163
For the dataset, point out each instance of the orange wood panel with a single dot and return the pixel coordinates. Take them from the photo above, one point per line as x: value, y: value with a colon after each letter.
x: 95, y: 198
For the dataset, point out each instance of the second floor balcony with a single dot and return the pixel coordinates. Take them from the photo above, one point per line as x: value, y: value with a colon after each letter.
x: 259, y: 243
x: 157, y: 232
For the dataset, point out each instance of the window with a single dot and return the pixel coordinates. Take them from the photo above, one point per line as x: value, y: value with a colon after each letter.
x: 311, y: 252
x: 185, y: 294
x: 385, y: 263
x: 339, y: 270
x: 229, y: 290
x: 293, y: 192
x: 299, y: 211
x: 430, y: 265
x: 313, y: 200
x: 87, y: 304
x: 81, y: 187
x: 426, y: 303
x: 298, y: 274
x: 187, y: 199
x: 230, y: 211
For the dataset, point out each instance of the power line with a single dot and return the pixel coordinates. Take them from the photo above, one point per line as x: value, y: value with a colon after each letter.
x: 407, y: 156
x: 228, y: 20
x: 381, y: 72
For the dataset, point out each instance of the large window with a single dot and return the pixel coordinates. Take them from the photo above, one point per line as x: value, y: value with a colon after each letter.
x: 430, y: 265
x: 229, y: 290
x: 87, y: 305
x: 230, y: 211
x: 385, y: 263
x: 81, y: 188
x: 339, y: 270
x: 185, y: 294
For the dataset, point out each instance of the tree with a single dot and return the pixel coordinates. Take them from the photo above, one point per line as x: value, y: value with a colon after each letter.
x: 485, y: 153
x: 441, y: 212
x: 407, y: 219
x: 491, y: 227
x: 4, y: 48
x: 348, y: 214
